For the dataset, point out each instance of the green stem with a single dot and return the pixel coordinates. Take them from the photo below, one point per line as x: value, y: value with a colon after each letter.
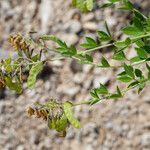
x: 106, y: 97
x: 112, y: 44
x: 97, y: 48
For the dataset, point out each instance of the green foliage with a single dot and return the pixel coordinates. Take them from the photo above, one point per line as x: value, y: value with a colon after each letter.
x: 104, y: 63
x: 13, y: 84
x: 33, y: 74
x: 90, y: 43
x: 59, y: 115
x: 103, y: 36
x: 67, y: 110
x: 83, y: 5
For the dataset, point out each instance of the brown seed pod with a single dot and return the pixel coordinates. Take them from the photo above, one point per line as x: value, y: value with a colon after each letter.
x: 62, y: 133
x: 43, y: 114
x: 37, y: 113
x: 2, y: 83
x: 30, y: 111
x: 18, y: 42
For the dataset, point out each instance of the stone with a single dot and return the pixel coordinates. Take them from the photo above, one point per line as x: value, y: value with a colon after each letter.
x: 46, y: 11
x: 70, y: 134
x: 75, y: 66
x: 72, y: 90
x: 90, y: 128
x: 87, y: 17
x: 79, y: 78
x: 88, y: 83
x: 92, y: 26
x: 100, y: 79
x: 88, y: 147
x: 47, y: 85
x: 70, y: 38
x: 2, y: 108
x: 34, y: 137
x: 145, y: 139
x: 20, y: 147
x: 68, y: 90
x: 87, y: 68
x: 111, y: 21
x: 72, y: 26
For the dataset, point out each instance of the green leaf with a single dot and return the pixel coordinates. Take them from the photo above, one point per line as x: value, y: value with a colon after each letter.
x: 114, y: 1
x: 54, y: 39
x: 49, y: 37
x: 148, y: 76
x: 139, y: 15
x: 119, y: 55
x: 148, y: 25
x: 124, y: 78
x: 13, y: 85
x: 110, y: 3
x: 133, y: 31
x: 104, y: 63
x: 103, y: 36
x: 141, y: 53
x: 122, y: 73
x: 81, y: 4
x: 138, y: 73
x: 90, y: 43
x: 146, y: 48
x: 133, y: 84
x: 140, y: 43
x: 102, y: 89
x: 129, y: 70
x: 7, y: 65
x: 118, y: 94
x: 148, y: 67
x: 67, y: 110
x: 63, y: 48
x: 147, y: 59
x: 136, y: 59
x: 89, y: 4
x: 74, y: 2
x: 94, y: 101
x: 94, y: 94
x: 127, y: 5
x: 141, y: 87
x: 106, y: 5
x: 61, y: 124
x: 33, y: 74
x: 52, y: 123
x: 36, y: 57
x: 84, y: 58
x: 122, y: 44
x: 138, y: 24
x: 107, y: 29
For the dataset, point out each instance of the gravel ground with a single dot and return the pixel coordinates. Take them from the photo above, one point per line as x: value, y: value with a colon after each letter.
x: 110, y: 125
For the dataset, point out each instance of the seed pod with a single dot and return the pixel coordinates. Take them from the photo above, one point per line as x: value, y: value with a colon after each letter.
x: 18, y: 42
x: 62, y: 133
x: 43, y: 114
x: 37, y: 113
x: 30, y: 111
x: 2, y: 83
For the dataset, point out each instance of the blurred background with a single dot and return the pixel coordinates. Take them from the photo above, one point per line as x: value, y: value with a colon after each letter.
x: 109, y: 125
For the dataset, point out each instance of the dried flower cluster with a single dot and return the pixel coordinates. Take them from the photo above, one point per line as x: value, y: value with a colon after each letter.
x: 18, y: 42
x: 38, y: 113
x: 53, y: 113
